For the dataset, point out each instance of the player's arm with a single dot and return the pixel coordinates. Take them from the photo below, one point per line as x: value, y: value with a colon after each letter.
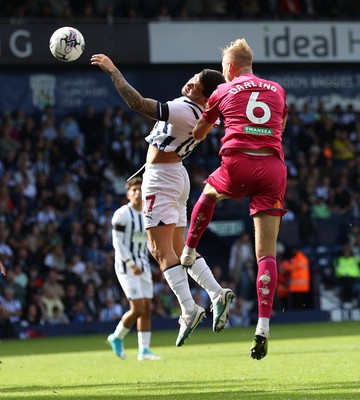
x: 119, y: 222
x: 202, y: 129
x: 132, y: 97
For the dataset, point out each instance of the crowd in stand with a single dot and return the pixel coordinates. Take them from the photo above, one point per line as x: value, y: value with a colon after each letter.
x: 23, y: 11
x: 60, y: 186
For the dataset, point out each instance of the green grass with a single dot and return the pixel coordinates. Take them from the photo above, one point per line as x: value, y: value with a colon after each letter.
x: 305, y: 361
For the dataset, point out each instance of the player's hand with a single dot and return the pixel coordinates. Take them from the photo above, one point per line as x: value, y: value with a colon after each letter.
x: 104, y: 62
x: 136, y: 270
x: 2, y: 268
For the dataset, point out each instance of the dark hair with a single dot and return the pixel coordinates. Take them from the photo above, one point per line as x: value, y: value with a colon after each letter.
x: 210, y: 79
x: 137, y: 180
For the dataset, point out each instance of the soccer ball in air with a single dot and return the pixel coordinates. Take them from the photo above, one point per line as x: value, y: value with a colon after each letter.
x: 67, y: 44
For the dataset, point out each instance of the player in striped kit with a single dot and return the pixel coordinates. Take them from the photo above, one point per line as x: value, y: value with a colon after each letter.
x: 133, y: 270
x: 166, y: 188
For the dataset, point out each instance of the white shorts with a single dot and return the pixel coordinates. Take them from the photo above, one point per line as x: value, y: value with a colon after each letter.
x: 165, y: 192
x: 136, y: 286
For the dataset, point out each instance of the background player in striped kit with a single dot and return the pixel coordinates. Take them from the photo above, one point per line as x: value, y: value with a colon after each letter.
x: 133, y: 270
x: 166, y: 189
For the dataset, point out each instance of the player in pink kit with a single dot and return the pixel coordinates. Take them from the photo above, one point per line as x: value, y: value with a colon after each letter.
x: 252, y: 164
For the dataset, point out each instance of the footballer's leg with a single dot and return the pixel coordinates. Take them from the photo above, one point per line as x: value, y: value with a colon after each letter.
x: 161, y: 247
x: 201, y: 273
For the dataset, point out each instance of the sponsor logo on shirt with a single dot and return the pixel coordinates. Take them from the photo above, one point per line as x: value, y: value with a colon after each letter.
x: 255, y: 130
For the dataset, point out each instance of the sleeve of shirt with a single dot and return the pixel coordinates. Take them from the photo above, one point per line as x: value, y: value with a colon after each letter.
x: 177, y: 113
x: 120, y: 221
x: 285, y: 111
x: 212, y: 113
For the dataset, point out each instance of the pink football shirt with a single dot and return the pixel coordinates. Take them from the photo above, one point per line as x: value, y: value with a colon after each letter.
x: 253, y: 109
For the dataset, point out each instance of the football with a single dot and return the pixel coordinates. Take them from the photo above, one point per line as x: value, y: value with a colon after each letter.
x: 67, y: 44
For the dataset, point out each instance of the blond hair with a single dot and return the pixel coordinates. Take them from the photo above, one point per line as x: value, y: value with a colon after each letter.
x: 239, y: 53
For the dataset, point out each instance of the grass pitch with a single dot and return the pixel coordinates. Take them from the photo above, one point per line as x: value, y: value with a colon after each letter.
x: 305, y: 361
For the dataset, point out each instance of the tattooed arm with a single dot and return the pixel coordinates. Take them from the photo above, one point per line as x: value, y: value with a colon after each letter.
x: 131, y: 96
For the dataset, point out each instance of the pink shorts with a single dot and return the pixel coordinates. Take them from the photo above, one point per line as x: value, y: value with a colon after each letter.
x: 262, y: 178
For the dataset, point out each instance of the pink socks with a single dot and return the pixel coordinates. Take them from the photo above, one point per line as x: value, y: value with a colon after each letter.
x: 200, y: 219
x: 266, y: 283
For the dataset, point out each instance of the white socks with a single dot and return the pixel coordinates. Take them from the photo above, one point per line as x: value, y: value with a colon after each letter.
x: 263, y: 327
x: 202, y: 274
x: 121, y: 330
x: 144, y: 339
x: 178, y: 281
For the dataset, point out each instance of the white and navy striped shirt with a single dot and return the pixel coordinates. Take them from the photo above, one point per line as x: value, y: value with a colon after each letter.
x: 12, y: 306
x: 175, y: 122
x: 129, y: 238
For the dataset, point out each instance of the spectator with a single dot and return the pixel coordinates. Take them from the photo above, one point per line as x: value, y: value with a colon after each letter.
x: 58, y: 317
x: 8, y: 145
x: 6, y: 252
x: 78, y: 264
x: 93, y: 253
x: 17, y: 238
x: 71, y: 187
x: 343, y: 148
x: 71, y: 129
x: 79, y: 313
x: 320, y: 208
x: 52, y: 283
x: 342, y: 201
x: 76, y: 246
x: 90, y: 125
x: 91, y: 274
x: 51, y: 300
x: 111, y: 311
x: 32, y: 316
x: 20, y: 277
x: 109, y: 288
x: 55, y: 259
x: 347, y: 274
x: 69, y: 276
x: 18, y: 292
x: 239, y: 315
x: 295, y: 279
x: 72, y: 296
x: 10, y: 313
x: 91, y: 300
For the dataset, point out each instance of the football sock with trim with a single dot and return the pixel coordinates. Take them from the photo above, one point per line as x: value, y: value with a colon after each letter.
x: 177, y: 279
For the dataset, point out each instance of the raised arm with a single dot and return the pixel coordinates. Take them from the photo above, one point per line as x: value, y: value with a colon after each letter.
x: 202, y: 129
x: 131, y: 96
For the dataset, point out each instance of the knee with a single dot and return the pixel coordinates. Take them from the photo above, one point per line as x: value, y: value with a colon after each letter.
x: 155, y: 251
x: 139, y: 309
x: 159, y: 253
